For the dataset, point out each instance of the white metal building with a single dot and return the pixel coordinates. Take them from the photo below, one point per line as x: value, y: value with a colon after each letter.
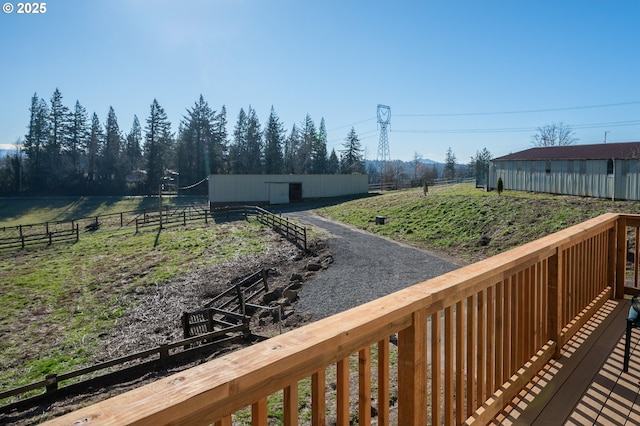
x: 600, y: 170
x: 282, y: 189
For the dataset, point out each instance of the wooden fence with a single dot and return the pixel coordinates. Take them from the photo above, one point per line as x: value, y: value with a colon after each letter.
x: 227, y: 312
x: 26, y: 236
x: 293, y: 232
x: 223, y: 318
x: 468, y: 342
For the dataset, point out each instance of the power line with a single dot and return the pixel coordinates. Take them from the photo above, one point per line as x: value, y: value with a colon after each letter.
x: 528, y: 111
x: 521, y: 129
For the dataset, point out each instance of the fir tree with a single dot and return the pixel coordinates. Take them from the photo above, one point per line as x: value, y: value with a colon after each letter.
x: 96, y: 139
x: 352, y: 159
x: 291, y: 147
x: 157, y: 145
x: 307, y: 142
x: 79, y: 136
x: 239, y: 145
x: 110, y: 155
x: 35, y: 142
x: 274, y: 136
x: 253, y: 154
x: 450, y: 165
x: 196, y: 142
x: 59, y: 119
x: 319, y: 150
x: 333, y: 164
x: 133, y: 146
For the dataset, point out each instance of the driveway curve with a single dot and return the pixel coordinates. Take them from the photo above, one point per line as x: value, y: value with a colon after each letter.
x: 365, y: 267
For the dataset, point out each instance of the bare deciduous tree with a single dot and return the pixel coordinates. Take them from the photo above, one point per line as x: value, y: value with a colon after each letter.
x: 555, y: 134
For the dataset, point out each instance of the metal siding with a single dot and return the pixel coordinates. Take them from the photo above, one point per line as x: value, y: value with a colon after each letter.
x: 255, y: 188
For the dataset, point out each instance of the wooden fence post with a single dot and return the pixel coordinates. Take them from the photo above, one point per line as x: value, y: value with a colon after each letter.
x: 621, y: 257
x: 77, y: 232
x: 164, y: 354
x: 184, y: 218
x: 241, y: 299
x: 21, y: 236
x: 186, y: 327
x: 209, y: 319
x: 264, y: 280
x: 52, y: 383
x: 121, y: 220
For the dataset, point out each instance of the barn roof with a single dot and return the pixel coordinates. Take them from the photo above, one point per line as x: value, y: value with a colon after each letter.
x: 602, y: 151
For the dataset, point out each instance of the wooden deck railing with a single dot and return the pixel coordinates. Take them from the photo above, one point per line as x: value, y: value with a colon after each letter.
x: 467, y: 342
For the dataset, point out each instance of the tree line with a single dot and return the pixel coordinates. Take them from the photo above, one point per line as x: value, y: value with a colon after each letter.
x: 67, y: 152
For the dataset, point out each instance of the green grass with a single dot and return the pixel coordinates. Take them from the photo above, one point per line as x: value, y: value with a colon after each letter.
x: 468, y: 223
x: 57, y: 300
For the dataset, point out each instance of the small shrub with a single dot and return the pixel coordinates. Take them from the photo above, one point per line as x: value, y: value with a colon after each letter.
x: 425, y: 188
x: 500, y: 186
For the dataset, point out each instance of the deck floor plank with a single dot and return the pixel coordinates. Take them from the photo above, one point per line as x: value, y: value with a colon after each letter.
x: 586, y: 384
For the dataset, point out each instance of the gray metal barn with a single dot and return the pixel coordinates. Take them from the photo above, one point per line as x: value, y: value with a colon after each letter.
x: 282, y: 189
x: 600, y: 171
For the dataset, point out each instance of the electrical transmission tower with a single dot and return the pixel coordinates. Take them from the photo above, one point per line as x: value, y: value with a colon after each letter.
x: 384, y: 118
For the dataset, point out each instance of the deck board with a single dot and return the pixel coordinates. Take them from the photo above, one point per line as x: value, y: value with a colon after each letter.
x: 586, y: 384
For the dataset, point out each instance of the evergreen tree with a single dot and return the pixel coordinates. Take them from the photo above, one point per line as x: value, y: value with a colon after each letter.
x: 307, y: 141
x: 479, y: 165
x: 218, y: 150
x: 291, y: 147
x: 450, y: 165
x: 133, y: 146
x: 96, y: 140
x: 319, y: 150
x: 35, y: 142
x: 110, y: 156
x: 78, y: 137
x: 59, y: 120
x: 274, y: 136
x: 333, y: 164
x: 351, y: 158
x: 239, y: 145
x: 157, y: 146
x: 253, y: 155
x: 196, y: 142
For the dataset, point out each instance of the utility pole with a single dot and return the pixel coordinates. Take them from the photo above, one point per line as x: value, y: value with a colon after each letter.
x: 605, y: 136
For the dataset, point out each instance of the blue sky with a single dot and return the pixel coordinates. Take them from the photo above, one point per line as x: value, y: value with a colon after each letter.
x: 459, y: 74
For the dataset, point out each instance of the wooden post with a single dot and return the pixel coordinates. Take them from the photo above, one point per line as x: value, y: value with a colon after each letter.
x: 21, y: 236
x: 52, y: 383
x: 186, y: 328
x: 555, y: 300
x: 49, y: 235
x: 209, y: 319
x: 164, y: 354
x: 184, y: 218
x: 46, y: 225
x: 241, y: 299
x: 412, y: 372
x: 77, y: 232
x: 621, y: 257
x: 264, y: 280
x: 121, y: 220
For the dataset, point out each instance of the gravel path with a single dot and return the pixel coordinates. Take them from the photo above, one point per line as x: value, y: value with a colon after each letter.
x: 365, y: 268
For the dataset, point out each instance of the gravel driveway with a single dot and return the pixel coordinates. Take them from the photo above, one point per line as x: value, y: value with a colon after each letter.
x: 365, y: 268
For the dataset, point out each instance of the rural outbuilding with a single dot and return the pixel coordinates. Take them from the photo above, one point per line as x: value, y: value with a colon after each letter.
x: 599, y: 170
x: 282, y: 189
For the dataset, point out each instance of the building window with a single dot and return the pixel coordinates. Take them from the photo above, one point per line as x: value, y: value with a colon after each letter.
x: 609, y: 167
x: 547, y: 167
